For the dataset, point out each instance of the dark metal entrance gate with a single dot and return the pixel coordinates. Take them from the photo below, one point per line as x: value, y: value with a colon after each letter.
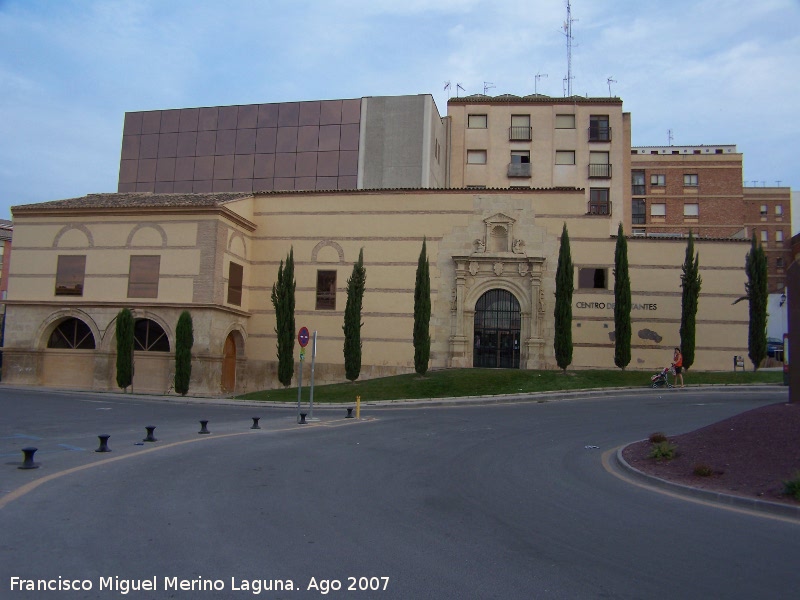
x: 497, y: 329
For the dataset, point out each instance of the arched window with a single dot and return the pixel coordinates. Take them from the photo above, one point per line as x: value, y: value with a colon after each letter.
x: 149, y: 336
x: 71, y: 334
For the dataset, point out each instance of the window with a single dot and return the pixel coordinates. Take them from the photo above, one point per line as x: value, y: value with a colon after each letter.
x: 658, y: 180
x: 520, y: 156
x: 71, y: 334
x: 779, y: 210
x: 779, y: 236
x: 477, y: 121
x: 143, y: 276
x: 763, y: 210
x: 658, y: 210
x: 599, y: 165
x: 69, y: 275
x: 149, y: 336
x: 565, y: 157
x: 690, y: 180
x: 764, y: 236
x: 592, y: 278
x: 598, y: 201
x: 520, y: 128
x: 638, y: 215
x: 476, y: 157
x: 599, y: 130
x: 639, y: 232
x: 565, y: 121
x: 235, y: 277
x: 326, y: 290
x: 779, y: 262
x: 637, y: 183
x: 691, y: 210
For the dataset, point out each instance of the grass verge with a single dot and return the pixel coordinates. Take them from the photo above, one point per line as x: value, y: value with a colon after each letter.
x: 480, y: 382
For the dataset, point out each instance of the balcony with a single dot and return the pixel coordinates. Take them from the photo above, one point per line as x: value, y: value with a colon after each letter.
x: 519, y: 134
x: 638, y: 189
x: 600, y: 171
x: 519, y: 169
x: 599, y: 208
x: 599, y: 134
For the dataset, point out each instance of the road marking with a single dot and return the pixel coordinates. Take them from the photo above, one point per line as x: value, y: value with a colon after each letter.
x: 20, y: 436
x: 32, y: 485
x: 620, y: 474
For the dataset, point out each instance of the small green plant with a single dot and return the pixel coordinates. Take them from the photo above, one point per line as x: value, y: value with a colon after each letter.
x: 657, y: 437
x: 663, y: 450
x: 702, y: 470
x: 792, y: 487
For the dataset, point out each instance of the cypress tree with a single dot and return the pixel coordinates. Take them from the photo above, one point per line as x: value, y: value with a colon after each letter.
x: 563, y: 310
x: 283, y: 302
x: 422, y: 313
x: 124, y: 332
x: 622, y: 302
x: 352, y: 319
x: 184, y: 340
x: 690, y: 282
x: 757, y: 294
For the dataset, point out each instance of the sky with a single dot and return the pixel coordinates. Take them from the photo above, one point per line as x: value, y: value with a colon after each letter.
x: 710, y: 71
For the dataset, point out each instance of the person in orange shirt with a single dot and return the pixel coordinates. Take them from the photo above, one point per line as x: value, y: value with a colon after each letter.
x: 677, y: 364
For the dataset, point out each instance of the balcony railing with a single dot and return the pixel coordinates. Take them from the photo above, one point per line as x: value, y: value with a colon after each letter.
x: 638, y: 189
x: 519, y: 169
x: 599, y: 208
x: 600, y: 171
x: 519, y: 134
x: 599, y: 134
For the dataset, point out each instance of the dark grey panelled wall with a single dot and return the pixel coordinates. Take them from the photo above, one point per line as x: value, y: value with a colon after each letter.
x: 255, y: 147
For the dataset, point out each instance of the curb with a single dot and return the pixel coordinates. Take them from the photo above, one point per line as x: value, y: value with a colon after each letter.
x: 728, y: 500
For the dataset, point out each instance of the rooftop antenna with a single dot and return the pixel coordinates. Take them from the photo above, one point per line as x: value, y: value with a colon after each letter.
x: 536, y: 82
x: 447, y: 89
x: 669, y: 136
x: 568, y: 34
x: 459, y: 87
x: 778, y: 183
x: 487, y: 85
x: 609, y: 81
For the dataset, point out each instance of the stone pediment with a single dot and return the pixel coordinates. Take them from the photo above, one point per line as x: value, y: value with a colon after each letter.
x: 498, y: 237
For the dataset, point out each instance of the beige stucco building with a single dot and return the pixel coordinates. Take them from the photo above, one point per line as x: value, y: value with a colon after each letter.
x: 210, y: 202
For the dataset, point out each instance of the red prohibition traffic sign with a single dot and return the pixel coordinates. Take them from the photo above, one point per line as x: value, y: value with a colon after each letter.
x: 302, y: 337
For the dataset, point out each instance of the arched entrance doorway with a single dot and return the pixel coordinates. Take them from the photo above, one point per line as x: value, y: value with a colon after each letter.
x: 229, y: 364
x: 497, y: 331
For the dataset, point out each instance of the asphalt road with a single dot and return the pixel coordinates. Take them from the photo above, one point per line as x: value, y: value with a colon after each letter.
x: 501, y: 501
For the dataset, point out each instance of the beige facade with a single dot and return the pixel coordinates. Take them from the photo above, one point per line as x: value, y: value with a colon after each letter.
x: 479, y: 241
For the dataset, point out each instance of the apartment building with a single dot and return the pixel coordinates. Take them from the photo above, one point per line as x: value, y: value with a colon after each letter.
x: 537, y: 141
x: 768, y: 215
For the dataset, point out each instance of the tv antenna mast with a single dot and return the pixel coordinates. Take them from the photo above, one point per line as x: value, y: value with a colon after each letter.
x: 487, y: 85
x: 459, y: 87
x: 536, y: 82
x: 669, y: 136
x: 568, y: 34
x: 609, y: 81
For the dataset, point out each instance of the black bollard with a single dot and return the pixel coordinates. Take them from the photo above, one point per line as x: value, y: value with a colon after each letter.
x: 349, y: 413
x: 103, y: 443
x: 150, y: 438
x: 255, y: 423
x: 203, y: 428
x: 28, y: 462
x: 303, y: 418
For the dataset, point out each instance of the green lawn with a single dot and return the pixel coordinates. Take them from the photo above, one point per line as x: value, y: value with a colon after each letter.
x: 479, y: 382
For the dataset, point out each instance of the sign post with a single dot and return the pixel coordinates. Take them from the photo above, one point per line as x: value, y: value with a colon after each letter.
x: 313, y: 360
x: 302, y: 337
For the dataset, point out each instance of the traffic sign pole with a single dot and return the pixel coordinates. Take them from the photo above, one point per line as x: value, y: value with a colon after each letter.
x: 313, y: 360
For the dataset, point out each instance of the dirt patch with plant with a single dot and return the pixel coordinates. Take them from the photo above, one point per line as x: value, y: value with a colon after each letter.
x: 753, y: 454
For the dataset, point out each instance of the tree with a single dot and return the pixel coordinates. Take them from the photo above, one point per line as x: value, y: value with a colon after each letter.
x: 422, y: 313
x: 755, y: 266
x: 690, y: 282
x: 352, y: 319
x: 184, y: 340
x: 283, y: 301
x: 622, y: 302
x: 563, y: 311
x: 124, y: 348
